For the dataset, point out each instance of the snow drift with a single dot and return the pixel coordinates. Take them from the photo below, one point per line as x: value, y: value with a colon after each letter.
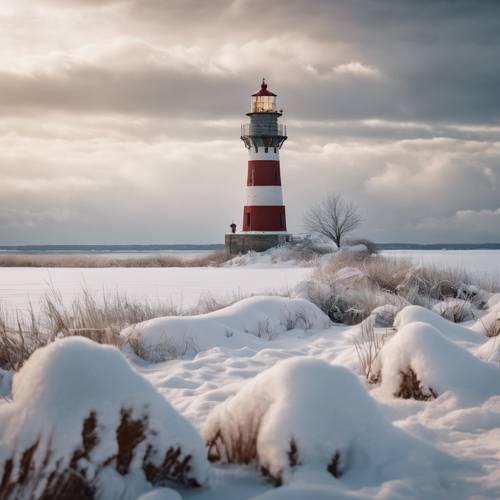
x: 452, y: 331
x: 305, y: 412
x: 419, y: 362
x: 239, y: 325
x: 84, y: 424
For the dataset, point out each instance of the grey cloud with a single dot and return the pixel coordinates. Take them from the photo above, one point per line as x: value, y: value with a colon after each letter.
x: 129, y: 137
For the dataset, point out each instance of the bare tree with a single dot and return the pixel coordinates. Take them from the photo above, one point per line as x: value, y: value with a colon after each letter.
x: 333, y: 217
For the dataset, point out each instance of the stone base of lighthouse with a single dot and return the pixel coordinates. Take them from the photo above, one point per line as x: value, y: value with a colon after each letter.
x: 241, y: 243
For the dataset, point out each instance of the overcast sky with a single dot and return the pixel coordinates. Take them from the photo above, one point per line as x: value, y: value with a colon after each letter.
x: 120, y: 119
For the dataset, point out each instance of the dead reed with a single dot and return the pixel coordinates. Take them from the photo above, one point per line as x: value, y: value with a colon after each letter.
x: 97, y: 317
x: 214, y: 259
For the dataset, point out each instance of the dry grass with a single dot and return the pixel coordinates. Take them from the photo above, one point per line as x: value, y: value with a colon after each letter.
x: 368, y: 345
x: 383, y: 280
x: 492, y: 328
x: 213, y: 259
x: 100, y: 318
x: 23, y: 475
x: 411, y: 388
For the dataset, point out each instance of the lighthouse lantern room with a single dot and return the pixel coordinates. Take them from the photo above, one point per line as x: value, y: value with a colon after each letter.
x: 264, y: 219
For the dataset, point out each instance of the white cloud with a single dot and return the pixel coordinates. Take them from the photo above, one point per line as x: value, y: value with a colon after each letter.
x: 356, y: 68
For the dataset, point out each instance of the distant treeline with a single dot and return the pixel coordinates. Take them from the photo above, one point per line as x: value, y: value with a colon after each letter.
x: 98, y: 249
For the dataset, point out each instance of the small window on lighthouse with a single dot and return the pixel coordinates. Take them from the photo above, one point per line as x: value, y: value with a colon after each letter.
x: 248, y: 220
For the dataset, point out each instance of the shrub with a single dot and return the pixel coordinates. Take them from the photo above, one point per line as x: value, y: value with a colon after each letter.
x: 419, y: 362
x: 80, y: 413
x: 306, y: 412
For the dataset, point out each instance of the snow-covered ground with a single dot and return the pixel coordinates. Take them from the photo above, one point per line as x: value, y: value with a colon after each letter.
x: 312, y: 422
x: 179, y: 286
x: 185, y: 286
x: 478, y: 262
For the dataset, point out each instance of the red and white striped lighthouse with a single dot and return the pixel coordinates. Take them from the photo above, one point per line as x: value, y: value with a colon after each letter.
x: 264, y: 220
x: 264, y: 210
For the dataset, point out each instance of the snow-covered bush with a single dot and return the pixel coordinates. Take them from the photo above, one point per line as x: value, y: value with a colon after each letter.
x: 245, y: 323
x: 383, y: 316
x: 360, y: 282
x: 303, y: 252
x: 345, y: 298
x: 490, y: 350
x: 488, y: 325
x: 455, y: 310
x: 84, y: 424
x: 306, y: 412
x: 452, y: 331
x: 493, y: 302
x: 419, y: 362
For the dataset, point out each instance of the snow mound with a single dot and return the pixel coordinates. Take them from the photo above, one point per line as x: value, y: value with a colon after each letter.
x: 305, y: 412
x: 455, y: 310
x: 419, y: 362
x: 161, y: 494
x: 488, y: 325
x: 494, y: 302
x: 81, y: 417
x: 383, y: 316
x: 490, y: 350
x: 452, y: 331
x: 243, y: 324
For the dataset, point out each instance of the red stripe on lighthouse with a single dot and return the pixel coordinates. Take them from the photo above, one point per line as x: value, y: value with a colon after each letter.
x: 264, y: 173
x: 264, y: 218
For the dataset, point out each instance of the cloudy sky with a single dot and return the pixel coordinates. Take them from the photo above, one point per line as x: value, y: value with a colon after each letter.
x: 120, y: 119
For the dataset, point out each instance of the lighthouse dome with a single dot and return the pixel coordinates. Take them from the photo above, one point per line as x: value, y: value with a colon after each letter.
x: 263, y: 101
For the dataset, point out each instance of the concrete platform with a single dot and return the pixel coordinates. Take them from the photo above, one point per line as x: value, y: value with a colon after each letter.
x: 240, y: 243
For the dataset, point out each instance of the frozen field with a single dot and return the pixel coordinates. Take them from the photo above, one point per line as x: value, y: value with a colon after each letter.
x: 482, y: 262
x: 184, y: 286
x: 180, y: 286
x: 275, y: 370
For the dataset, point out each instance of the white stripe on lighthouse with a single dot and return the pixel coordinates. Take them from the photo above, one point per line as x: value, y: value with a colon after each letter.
x: 264, y: 195
x: 262, y: 155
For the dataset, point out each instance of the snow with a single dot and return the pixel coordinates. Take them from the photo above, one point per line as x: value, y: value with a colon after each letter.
x: 483, y: 263
x: 161, y: 494
x: 439, y: 364
x: 180, y: 286
x: 306, y: 413
x: 452, y: 331
x: 490, y: 350
x: 494, y: 302
x: 460, y: 362
x: 61, y: 386
x: 490, y: 322
x: 243, y: 324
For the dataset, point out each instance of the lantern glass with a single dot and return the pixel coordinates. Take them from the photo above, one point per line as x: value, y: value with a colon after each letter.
x: 263, y: 104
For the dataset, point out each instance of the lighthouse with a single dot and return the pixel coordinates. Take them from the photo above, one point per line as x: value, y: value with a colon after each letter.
x: 264, y: 218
